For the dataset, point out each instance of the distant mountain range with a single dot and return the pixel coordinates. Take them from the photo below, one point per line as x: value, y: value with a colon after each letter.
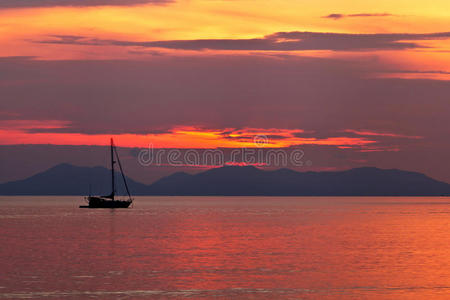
x: 66, y: 179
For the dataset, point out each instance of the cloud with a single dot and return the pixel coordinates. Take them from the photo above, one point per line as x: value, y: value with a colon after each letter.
x: 280, y: 41
x: 16, y: 58
x: 334, y: 16
x: 31, y: 125
x: 381, y: 134
x: 321, y: 96
x: 226, y: 92
x: 77, y: 3
x: 418, y: 72
x: 340, y: 16
x: 41, y: 132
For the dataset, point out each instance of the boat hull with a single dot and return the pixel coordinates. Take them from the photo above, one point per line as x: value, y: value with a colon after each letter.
x: 97, y: 202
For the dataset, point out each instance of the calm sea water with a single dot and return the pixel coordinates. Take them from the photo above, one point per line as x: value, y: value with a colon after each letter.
x: 226, y: 248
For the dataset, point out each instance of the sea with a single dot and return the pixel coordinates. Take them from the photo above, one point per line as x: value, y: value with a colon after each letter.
x: 226, y: 248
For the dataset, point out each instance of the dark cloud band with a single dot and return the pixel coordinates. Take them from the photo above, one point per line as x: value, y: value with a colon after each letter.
x: 76, y: 3
x: 341, y: 16
x: 280, y: 41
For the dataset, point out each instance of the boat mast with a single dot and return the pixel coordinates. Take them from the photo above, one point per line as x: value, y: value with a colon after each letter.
x: 123, y: 174
x: 112, y: 170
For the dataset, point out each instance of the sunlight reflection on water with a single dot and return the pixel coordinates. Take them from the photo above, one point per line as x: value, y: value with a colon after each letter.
x: 226, y: 247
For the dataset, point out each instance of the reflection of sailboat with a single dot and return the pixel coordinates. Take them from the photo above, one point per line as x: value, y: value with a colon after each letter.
x: 109, y: 201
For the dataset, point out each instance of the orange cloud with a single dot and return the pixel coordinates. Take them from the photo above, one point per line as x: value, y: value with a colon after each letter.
x: 40, y: 132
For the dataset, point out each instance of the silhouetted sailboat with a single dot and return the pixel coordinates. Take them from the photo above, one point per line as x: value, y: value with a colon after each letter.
x: 109, y: 201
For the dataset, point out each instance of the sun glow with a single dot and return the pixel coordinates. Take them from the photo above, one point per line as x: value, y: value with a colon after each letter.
x: 35, y: 132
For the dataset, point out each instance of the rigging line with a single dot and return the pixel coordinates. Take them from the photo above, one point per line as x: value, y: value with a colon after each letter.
x: 121, y: 171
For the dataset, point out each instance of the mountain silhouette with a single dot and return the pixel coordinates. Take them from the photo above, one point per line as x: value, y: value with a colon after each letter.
x: 232, y: 180
x: 65, y: 179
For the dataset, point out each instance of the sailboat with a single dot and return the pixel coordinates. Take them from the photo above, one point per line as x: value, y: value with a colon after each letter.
x: 109, y: 201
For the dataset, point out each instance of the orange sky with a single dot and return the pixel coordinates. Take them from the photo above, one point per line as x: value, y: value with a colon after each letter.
x: 26, y: 32
x: 352, y: 82
x: 218, y: 19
